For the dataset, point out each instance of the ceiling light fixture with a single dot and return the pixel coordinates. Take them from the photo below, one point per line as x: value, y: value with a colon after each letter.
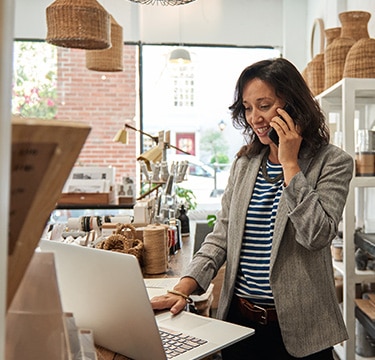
x: 81, y: 24
x: 180, y: 56
x: 111, y: 59
x: 163, y: 2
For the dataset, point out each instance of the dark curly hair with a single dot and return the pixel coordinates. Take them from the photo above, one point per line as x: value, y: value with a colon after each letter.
x: 289, y: 86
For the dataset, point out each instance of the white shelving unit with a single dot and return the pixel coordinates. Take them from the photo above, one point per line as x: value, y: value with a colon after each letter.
x: 349, y: 105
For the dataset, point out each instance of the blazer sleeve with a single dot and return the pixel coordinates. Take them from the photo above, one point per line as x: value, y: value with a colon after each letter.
x: 317, y: 195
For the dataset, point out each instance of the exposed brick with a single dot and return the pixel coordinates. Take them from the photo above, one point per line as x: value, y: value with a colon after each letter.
x: 103, y: 104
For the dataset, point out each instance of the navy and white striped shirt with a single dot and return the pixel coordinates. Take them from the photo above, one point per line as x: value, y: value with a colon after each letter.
x: 253, y: 273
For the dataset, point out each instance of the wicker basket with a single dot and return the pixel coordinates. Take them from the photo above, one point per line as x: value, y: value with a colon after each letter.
x: 360, y: 61
x: 82, y: 24
x: 124, y: 240
x: 315, y: 74
x: 332, y: 34
x: 354, y: 24
x: 335, y: 56
x: 110, y: 59
x: 354, y: 27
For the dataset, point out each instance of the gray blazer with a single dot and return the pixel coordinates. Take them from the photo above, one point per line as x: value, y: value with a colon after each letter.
x: 301, y: 272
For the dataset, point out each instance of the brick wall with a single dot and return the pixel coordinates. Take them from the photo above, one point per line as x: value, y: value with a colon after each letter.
x: 104, y: 100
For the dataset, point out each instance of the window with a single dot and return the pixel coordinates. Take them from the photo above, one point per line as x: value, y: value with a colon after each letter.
x: 34, y: 79
x: 194, y: 98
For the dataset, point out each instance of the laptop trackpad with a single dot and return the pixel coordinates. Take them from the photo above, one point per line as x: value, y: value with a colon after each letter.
x: 182, y: 321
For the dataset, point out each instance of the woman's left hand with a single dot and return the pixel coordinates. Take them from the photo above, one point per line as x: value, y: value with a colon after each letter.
x: 289, y: 143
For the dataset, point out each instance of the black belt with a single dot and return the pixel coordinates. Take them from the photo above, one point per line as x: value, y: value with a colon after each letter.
x: 255, y: 313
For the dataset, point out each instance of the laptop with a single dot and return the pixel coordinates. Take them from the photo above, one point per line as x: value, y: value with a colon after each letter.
x: 106, y: 293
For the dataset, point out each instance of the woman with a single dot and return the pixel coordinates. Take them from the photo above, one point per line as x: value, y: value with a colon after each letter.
x: 280, y: 212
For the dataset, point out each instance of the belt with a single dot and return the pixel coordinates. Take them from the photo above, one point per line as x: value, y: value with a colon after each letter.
x: 255, y: 313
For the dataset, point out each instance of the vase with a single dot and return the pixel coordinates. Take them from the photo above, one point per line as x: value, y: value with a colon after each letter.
x: 185, y: 222
x: 331, y: 34
x: 315, y: 74
x: 360, y: 60
x: 354, y: 27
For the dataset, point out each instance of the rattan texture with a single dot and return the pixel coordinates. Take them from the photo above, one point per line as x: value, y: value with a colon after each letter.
x: 354, y: 24
x: 354, y: 27
x: 334, y: 60
x: 82, y: 24
x: 111, y: 59
x: 360, y: 61
x: 315, y: 74
x: 124, y: 240
x: 332, y: 34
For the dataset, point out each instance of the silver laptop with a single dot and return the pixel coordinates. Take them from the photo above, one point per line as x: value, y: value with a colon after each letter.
x: 106, y: 293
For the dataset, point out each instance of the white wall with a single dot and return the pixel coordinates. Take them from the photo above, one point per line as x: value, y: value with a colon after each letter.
x: 239, y: 22
x: 225, y: 22
x: 285, y: 24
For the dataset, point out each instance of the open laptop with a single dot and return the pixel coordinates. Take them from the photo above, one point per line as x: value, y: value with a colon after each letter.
x: 106, y: 293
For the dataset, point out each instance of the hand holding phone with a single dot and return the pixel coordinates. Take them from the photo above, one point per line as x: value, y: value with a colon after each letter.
x: 272, y: 134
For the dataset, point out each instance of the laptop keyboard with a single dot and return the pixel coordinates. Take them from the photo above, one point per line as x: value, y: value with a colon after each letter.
x: 176, y: 343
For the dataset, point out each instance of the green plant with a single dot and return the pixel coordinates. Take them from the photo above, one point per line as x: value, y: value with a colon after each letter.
x: 211, y: 220
x: 187, y: 196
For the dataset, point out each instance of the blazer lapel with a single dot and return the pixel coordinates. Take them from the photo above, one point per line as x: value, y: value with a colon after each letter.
x: 282, y: 214
x: 246, y: 180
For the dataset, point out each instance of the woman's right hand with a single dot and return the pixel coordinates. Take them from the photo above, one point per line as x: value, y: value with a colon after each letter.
x: 176, y: 303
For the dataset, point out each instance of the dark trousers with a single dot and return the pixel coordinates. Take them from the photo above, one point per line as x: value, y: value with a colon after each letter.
x: 265, y: 344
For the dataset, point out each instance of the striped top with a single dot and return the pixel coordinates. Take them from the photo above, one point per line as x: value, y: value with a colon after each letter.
x: 253, y: 272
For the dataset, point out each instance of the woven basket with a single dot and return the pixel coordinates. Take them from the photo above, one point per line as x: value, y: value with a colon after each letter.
x: 360, y: 61
x: 315, y: 74
x: 82, y: 24
x: 124, y: 241
x: 335, y: 56
x: 110, y: 59
x: 332, y: 34
x: 354, y: 27
x: 354, y: 24
x: 304, y: 73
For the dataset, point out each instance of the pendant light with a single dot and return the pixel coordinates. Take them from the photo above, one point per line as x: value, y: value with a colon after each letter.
x: 111, y: 59
x: 82, y: 24
x: 180, y: 56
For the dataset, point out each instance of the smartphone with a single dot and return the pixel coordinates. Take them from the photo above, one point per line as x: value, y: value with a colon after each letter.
x: 272, y: 134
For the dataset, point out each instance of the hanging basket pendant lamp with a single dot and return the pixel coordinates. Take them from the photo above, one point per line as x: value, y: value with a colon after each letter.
x: 110, y: 60
x: 82, y: 24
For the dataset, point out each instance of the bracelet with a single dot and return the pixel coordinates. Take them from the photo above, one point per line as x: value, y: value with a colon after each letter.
x: 188, y: 299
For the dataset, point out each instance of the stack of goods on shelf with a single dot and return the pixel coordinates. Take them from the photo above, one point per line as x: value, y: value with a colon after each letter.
x: 90, y: 185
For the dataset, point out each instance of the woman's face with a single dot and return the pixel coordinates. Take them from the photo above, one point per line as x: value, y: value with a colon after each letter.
x: 260, y: 102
